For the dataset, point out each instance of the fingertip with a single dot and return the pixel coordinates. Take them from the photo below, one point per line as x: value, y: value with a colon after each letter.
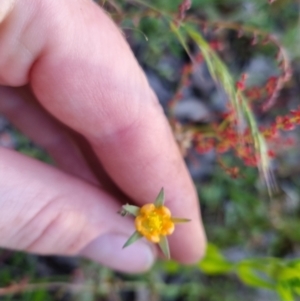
x: 108, y: 250
x: 194, y: 254
x: 188, y: 243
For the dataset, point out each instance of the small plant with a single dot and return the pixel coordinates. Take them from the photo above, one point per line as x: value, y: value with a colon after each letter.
x: 154, y: 222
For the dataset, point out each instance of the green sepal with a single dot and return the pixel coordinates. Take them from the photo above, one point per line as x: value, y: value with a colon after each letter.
x: 164, y: 246
x: 160, y: 198
x: 178, y: 220
x: 133, y: 238
x: 130, y: 209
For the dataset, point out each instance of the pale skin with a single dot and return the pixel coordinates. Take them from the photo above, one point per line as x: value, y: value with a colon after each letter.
x: 70, y: 82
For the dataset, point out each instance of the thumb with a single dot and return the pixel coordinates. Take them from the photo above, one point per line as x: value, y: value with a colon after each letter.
x: 45, y: 211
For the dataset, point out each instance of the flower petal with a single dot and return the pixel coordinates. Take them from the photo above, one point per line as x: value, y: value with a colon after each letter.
x: 153, y: 237
x: 168, y: 228
x: 146, y: 209
x: 138, y: 223
x: 164, y: 211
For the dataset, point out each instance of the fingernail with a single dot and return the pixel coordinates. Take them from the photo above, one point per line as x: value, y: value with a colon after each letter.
x: 108, y: 250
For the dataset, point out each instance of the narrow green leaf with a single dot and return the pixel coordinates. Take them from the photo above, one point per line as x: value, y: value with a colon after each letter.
x: 220, y: 73
x: 214, y: 266
x: 178, y: 220
x: 164, y: 246
x: 251, y: 277
x: 288, y: 273
x: 160, y: 198
x: 130, y: 209
x: 181, y: 39
x: 214, y: 262
x: 285, y: 292
x: 133, y: 238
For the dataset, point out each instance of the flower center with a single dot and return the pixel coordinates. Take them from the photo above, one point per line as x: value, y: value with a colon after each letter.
x: 153, y: 222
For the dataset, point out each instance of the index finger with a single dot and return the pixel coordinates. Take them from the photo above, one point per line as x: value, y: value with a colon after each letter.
x: 83, y: 72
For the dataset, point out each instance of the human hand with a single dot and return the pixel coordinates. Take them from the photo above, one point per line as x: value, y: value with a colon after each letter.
x: 70, y: 82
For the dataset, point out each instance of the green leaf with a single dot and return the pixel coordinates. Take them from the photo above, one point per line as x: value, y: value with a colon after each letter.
x: 296, y: 290
x: 130, y: 209
x: 251, y: 277
x: 164, y: 246
x: 215, y: 266
x: 214, y: 262
x: 160, y: 198
x: 285, y: 292
x: 170, y: 266
x: 288, y: 273
x: 295, y: 263
x: 133, y: 238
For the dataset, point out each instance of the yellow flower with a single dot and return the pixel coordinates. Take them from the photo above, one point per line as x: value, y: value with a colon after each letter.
x: 154, y: 222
